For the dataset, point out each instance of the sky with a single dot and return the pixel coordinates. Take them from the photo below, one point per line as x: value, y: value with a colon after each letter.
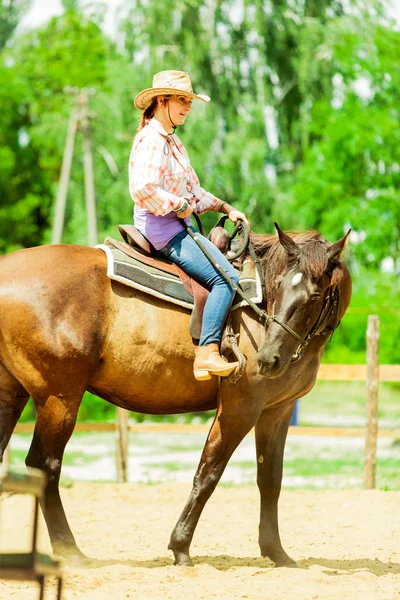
x: 43, y: 10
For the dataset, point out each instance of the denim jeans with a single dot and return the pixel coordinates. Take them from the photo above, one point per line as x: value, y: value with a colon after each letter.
x: 183, y: 251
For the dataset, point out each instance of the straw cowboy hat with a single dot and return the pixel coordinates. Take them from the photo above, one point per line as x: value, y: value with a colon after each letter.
x: 165, y: 83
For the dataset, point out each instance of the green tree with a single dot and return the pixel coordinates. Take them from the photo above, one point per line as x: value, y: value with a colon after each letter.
x: 11, y: 12
x: 302, y: 127
x: 70, y: 51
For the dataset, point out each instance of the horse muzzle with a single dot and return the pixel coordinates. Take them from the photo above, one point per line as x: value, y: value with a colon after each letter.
x: 270, y: 364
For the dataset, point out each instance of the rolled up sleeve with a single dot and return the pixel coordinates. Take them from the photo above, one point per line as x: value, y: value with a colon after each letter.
x: 147, y: 165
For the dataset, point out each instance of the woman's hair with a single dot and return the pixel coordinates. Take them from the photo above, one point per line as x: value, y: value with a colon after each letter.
x: 149, y: 112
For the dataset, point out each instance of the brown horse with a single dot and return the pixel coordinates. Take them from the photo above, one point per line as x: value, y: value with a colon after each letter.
x: 66, y: 328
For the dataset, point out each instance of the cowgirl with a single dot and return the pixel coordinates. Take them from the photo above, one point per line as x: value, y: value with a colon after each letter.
x: 166, y: 190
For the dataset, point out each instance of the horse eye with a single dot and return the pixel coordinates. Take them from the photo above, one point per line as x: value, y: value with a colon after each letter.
x: 315, y: 297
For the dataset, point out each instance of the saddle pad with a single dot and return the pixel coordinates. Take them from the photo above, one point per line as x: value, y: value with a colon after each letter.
x: 169, y: 287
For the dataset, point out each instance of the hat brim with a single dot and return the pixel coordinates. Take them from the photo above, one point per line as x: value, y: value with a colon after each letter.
x: 144, y: 98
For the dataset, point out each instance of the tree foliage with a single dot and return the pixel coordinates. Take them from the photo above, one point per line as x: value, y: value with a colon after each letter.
x: 302, y: 127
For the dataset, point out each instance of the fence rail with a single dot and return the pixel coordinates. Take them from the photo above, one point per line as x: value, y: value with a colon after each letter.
x: 387, y: 373
x: 187, y: 428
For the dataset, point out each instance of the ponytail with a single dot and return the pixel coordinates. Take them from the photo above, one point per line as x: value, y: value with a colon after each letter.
x: 149, y: 112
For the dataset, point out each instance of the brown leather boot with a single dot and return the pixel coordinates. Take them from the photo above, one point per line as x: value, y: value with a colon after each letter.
x: 208, y: 362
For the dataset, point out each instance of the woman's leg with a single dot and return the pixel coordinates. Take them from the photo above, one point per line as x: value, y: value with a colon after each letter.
x: 183, y: 251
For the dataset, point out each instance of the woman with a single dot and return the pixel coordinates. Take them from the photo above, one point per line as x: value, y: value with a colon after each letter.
x: 166, y: 191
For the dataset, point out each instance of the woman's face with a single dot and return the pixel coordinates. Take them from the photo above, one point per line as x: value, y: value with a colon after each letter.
x: 179, y: 108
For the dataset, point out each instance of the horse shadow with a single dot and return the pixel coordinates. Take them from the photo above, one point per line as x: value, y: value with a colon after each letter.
x: 341, y: 567
x: 223, y: 562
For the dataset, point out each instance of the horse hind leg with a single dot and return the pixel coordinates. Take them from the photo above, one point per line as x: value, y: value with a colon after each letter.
x: 13, y: 399
x: 270, y: 433
x: 55, y: 422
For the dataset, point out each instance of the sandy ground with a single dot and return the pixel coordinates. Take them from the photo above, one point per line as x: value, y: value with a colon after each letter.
x: 347, y: 544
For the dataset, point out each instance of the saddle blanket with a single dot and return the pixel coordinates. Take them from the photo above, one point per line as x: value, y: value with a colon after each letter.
x: 169, y: 287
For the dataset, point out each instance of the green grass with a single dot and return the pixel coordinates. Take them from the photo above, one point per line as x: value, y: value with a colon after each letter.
x: 334, y: 472
x: 339, y: 403
x: 70, y: 458
x: 309, y: 462
x: 330, y: 403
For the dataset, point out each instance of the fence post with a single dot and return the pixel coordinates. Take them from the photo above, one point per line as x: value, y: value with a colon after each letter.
x: 121, y: 435
x: 372, y: 401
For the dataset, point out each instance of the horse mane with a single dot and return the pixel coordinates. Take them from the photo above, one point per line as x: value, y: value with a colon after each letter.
x: 312, y: 261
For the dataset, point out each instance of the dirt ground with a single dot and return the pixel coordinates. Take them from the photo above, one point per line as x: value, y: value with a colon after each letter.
x: 346, y: 543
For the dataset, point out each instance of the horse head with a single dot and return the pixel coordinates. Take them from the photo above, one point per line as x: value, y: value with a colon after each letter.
x: 304, y: 275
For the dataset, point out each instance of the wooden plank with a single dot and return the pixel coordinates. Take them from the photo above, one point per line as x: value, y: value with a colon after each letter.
x: 82, y: 427
x: 357, y: 373
x: 389, y: 373
x: 342, y: 372
x: 181, y: 428
x: 341, y: 432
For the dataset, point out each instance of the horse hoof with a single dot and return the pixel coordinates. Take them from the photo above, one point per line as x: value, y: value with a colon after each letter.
x: 74, y: 559
x: 281, y: 559
x: 287, y: 563
x: 184, y: 561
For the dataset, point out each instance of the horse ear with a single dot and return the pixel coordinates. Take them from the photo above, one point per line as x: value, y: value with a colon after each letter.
x: 286, y: 241
x: 336, y: 250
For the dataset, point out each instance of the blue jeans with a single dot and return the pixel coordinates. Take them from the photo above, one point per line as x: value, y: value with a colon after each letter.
x: 183, y: 251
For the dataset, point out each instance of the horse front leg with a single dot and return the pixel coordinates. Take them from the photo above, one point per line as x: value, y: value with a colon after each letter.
x: 271, y: 431
x: 55, y: 422
x: 234, y: 419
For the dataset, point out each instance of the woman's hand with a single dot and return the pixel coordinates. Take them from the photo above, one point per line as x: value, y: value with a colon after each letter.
x: 236, y: 215
x: 185, y: 213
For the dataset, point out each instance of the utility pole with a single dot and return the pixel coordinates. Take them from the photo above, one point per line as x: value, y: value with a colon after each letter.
x: 88, y: 169
x: 79, y: 121
x: 62, y: 193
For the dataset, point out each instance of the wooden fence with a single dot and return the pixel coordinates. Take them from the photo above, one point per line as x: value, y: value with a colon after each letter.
x: 372, y: 373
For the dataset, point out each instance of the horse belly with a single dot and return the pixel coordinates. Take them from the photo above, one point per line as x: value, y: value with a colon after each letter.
x: 147, y: 359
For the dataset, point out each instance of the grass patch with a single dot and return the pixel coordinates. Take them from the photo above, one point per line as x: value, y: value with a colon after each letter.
x: 173, y: 467
x: 70, y: 458
x: 310, y: 462
x: 322, y: 467
x: 181, y: 447
x: 337, y: 403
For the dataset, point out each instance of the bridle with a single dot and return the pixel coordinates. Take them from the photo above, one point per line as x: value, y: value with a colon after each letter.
x: 329, y: 310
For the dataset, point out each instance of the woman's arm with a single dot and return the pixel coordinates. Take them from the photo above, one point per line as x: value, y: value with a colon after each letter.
x: 227, y: 209
x: 146, y: 168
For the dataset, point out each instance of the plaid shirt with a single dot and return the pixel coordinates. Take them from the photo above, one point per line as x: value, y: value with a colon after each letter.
x: 160, y: 173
